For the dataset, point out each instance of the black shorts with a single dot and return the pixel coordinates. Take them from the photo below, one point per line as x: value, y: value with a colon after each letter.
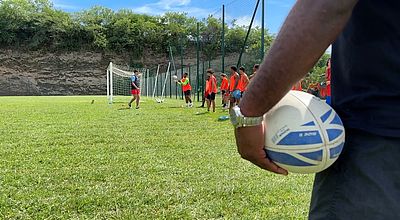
x: 187, y: 93
x: 363, y: 183
x: 211, y: 96
x: 223, y: 92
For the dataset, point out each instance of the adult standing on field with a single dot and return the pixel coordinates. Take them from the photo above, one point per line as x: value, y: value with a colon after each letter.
x: 364, y: 183
x: 233, y: 90
x: 186, y: 88
x: 135, y: 89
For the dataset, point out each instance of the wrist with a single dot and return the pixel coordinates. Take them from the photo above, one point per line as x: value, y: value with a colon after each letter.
x: 248, y: 111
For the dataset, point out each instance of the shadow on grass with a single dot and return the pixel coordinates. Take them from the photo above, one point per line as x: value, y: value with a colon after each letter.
x: 202, y: 113
x: 119, y: 102
x: 124, y: 108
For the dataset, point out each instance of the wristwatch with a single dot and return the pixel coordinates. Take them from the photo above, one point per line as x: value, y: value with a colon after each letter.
x: 239, y: 120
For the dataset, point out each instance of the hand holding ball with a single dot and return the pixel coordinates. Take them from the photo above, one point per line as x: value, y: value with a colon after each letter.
x: 303, y: 133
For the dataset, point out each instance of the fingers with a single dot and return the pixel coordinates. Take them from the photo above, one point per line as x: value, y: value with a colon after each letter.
x: 261, y: 160
x: 250, y: 143
x: 271, y: 166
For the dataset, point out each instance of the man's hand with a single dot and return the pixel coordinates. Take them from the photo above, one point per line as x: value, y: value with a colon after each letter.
x: 250, y: 143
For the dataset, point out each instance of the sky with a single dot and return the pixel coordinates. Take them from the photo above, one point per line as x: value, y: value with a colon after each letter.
x: 240, y: 10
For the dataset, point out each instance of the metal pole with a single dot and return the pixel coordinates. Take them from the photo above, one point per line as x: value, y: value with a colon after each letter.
x: 203, y: 84
x: 173, y: 65
x: 189, y: 72
x: 198, y: 58
x: 248, y: 33
x: 155, y: 81
x: 262, y: 30
x: 111, y: 82
x: 147, y: 84
x: 223, y: 39
x: 181, y: 69
x: 108, y: 85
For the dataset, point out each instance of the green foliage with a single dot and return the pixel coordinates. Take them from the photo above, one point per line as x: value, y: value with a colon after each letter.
x: 36, y: 24
x: 65, y: 158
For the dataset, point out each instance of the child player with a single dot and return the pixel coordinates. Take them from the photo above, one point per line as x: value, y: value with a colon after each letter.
x: 186, y: 88
x: 243, y: 82
x: 135, y: 89
x: 224, y: 90
x: 233, y: 90
x: 212, y: 90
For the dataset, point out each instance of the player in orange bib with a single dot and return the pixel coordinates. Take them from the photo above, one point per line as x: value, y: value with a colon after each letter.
x: 212, y: 90
x: 224, y: 90
x: 297, y: 86
x: 187, y: 88
x: 243, y: 82
x: 233, y: 84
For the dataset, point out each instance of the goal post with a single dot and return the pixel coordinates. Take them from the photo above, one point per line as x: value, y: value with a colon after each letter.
x: 119, y: 82
x: 155, y: 83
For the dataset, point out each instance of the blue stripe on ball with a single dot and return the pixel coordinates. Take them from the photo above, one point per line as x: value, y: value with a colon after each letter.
x: 334, y: 133
x: 311, y: 123
x: 316, y: 155
x: 301, y: 138
x: 287, y: 159
x: 325, y: 116
x: 335, y: 151
x: 336, y: 121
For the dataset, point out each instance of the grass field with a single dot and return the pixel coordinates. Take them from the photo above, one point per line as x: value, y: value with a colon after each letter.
x: 65, y: 158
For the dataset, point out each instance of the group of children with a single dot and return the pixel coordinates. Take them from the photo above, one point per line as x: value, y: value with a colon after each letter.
x: 232, y: 89
x: 321, y: 90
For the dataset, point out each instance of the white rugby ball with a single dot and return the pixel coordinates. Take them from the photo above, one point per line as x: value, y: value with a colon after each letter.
x: 303, y: 134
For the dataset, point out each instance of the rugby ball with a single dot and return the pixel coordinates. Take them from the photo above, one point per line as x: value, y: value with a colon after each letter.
x: 303, y: 134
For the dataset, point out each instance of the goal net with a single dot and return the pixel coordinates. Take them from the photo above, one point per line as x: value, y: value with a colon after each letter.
x: 119, y: 82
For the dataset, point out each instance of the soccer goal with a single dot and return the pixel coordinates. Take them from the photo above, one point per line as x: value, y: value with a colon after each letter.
x: 119, y: 82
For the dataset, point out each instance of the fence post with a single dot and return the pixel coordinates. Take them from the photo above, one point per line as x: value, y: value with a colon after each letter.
x: 223, y: 39
x: 198, y: 59
x: 262, y: 30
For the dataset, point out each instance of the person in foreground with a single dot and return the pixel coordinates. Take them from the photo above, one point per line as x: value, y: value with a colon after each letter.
x: 364, y: 183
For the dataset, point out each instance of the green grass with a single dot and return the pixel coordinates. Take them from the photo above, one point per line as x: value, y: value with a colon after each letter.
x: 65, y: 158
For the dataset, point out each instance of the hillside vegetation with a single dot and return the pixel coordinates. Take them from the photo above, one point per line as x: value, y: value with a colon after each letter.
x: 36, y: 24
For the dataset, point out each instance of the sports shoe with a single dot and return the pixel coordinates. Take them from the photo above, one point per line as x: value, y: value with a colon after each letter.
x: 129, y: 106
x: 137, y: 107
x: 190, y: 105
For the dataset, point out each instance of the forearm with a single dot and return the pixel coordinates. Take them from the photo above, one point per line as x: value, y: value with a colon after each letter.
x: 309, y: 29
